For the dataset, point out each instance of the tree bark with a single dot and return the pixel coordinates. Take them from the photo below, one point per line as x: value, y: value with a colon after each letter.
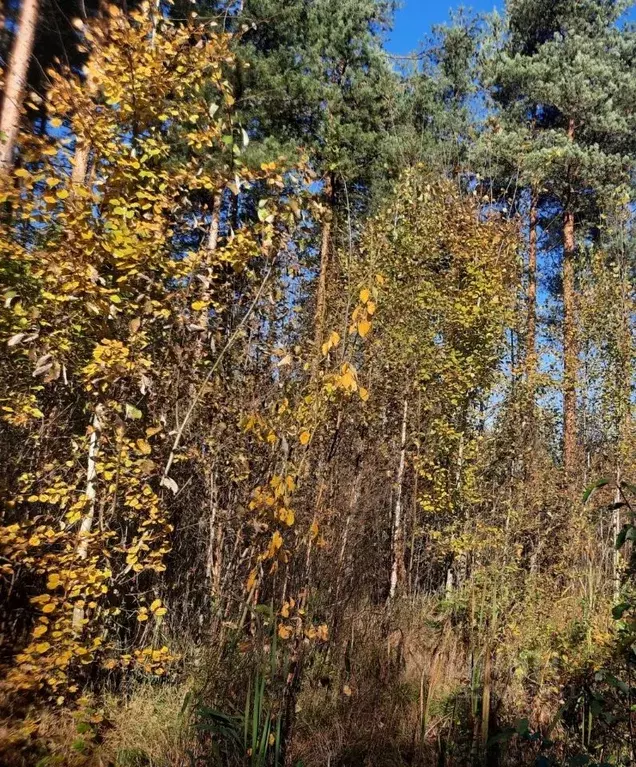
x: 485, y: 705
x: 213, y: 233
x: 531, y: 327
x: 78, y: 178
x: 15, y: 82
x: 86, y: 525
x: 397, y: 565
x: 616, y: 528
x: 570, y: 350
x: 80, y: 164
x: 321, y: 291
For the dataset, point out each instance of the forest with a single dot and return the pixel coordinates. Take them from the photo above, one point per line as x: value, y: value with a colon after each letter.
x: 317, y: 385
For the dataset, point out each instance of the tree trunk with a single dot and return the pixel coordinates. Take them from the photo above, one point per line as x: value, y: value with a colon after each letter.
x: 213, y: 233
x: 78, y: 177
x: 80, y: 164
x: 485, y: 705
x: 624, y: 391
x: 321, y: 291
x: 397, y: 565
x: 15, y: 81
x: 86, y: 525
x: 570, y: 350
x: 531, y: 327
x: 616, y: 528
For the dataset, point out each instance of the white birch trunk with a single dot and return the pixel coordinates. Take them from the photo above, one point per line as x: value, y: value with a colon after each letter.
x: 397, y: 536
x: 86, y: 525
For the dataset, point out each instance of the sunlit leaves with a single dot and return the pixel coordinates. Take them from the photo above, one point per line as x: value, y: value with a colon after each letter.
x: 95, y: 301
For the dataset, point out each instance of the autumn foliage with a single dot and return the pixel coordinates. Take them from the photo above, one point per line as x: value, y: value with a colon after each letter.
x: 283, y: 430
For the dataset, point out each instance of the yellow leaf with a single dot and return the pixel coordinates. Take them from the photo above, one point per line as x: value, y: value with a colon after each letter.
x: 141, y: 617
x: 304, y: 438
x: 364, y: 394
x: 364, y: 295
x: 284, y: 632
x: 274, y: 545
x: 155, y: 605
x: 40, y: 630
x: 144, y: 446
x: 53, y: 581
x: 347, y: 690
x: 48, y: 608
x: 22, y: 173
x: 161, y: 611
x: 42, y: 647
x: 52, y: 181
x: 198, y: 305
x: 251, y: 580
x: 348, y: 382
x: 364, y: 326
x: 62, y: 194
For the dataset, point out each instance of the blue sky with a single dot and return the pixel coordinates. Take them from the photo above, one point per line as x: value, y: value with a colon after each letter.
x: 415, y: 18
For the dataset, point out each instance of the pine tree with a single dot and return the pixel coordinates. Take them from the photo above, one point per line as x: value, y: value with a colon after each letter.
x: 565, y: 82
x: 317, y: 77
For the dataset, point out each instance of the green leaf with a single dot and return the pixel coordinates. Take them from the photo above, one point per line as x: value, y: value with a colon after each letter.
x: 579, y: 761
x: 618, y: 610
x: 502, y: 737
x: 591, y: 489
x: 617, y: 683
x: 620, y: 539
x: 133, y: 413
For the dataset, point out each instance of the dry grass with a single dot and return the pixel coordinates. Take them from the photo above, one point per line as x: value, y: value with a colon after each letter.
x: 149, y: 727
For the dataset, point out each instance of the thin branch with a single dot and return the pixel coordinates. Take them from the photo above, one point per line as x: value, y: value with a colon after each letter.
x: 206, y: 380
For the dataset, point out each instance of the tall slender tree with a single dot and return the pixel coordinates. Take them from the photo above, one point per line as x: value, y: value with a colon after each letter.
x: 15, y: 81
x: 566, y: 76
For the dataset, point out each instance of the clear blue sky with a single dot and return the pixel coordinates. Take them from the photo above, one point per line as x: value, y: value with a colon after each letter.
x: 413, y: 21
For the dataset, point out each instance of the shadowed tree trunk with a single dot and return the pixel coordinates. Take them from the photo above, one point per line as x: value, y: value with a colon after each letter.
x: 531, y: 327
x: 569, y: 345
x: 15, y: 81
x: 570, y: 351
x: 321, y: 291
